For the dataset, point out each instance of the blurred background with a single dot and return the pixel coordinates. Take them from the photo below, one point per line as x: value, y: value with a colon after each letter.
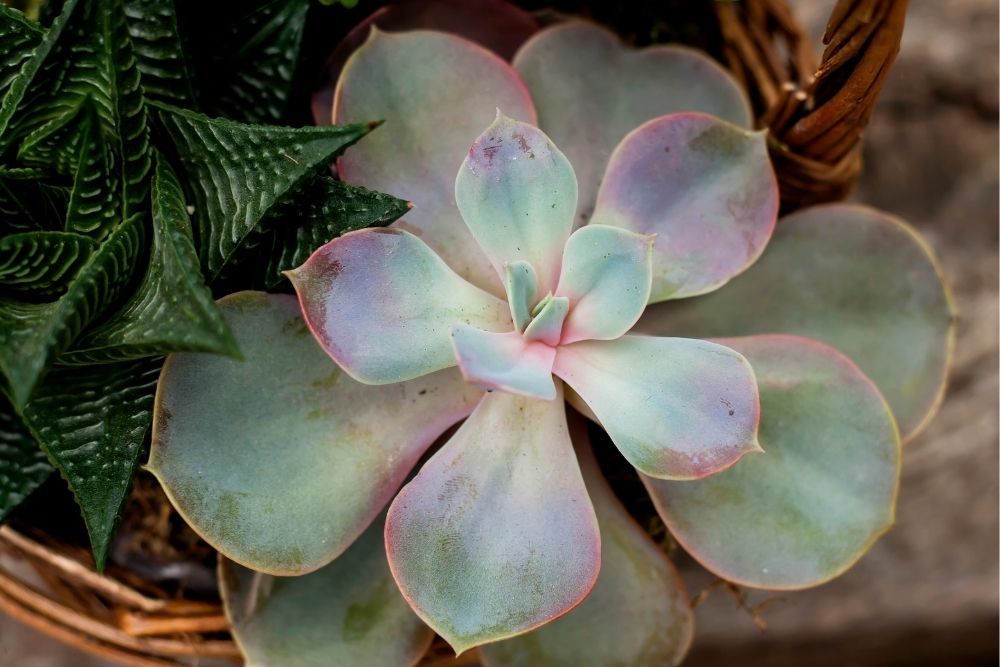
x: 927, y: 593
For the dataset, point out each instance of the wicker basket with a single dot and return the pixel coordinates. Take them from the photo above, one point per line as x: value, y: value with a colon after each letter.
x: 815, y: 116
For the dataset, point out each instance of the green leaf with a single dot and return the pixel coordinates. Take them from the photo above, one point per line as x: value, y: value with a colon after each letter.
x: 28, y: 204
x: 347, y: 613
x: 92, y: 208
x: 18, y: 39
x: 248, y: 58
x: 172, y: 310
x: 41, y: 264
x: 322, y: 211
x: 152, y: 24
x: 32, y: 335
x: 239, y: 172
x: 23, y: 464
x: 17, y: 60
x: 92, y: 423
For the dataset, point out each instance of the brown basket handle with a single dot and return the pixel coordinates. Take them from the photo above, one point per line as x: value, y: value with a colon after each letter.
x: 815, y: 115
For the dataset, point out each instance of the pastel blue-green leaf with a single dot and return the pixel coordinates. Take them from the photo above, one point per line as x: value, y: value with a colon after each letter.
x: 231, y: 438
x: 496, y: 536
x: 516, y: 192
x: 853, y: 277
x: 504, y: 361
x: 638, y: 614
x: 819, y: 496
x: 346, y: 613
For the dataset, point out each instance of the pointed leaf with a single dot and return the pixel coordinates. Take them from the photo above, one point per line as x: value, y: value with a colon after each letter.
x: 159, y: 50
x: 591, y: 90
x: 496, y: 536
x: 239, y: 172
x: 40, y: 264
x: 517, y: 193
x: 606, y: 274
x: 248, y: 57
x: 638, y: 613
x: 381, y: 303
x: 505, y: 361
x: 823, y: 491
x: 677, y: 408
x: 33, y: 335
x: 232, y: 437
x: 19, y: 37
x: 23, y: 465
x: 94, y: 203
x: 172, y: 309
x: 28, y: 203
x: 347, y: 613
x: 496, y: 25
x: 436, y: 92
x: 852, y: 277
x: 92, y: 423
x: 704, y: 187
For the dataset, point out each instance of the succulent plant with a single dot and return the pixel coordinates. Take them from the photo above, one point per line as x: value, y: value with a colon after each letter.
x: 642, y: 206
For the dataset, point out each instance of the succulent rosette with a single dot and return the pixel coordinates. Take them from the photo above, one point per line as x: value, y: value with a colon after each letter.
x: 565, y: 263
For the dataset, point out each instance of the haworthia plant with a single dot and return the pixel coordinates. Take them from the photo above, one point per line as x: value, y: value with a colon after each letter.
x: 122, y: 195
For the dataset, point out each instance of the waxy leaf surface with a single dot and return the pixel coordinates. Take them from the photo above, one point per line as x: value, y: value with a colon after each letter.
x: 505, y: 361
x: 591, y: 90
x: 23, y: 464
x: 517, y: 193
x: 436, y: 93
x: 821, y: 493
x: 704, y: 187
x: 496, y: 535
x: 233, y: 438
x: 677, y: 408
x: 638, y: 613
x: 346, y: 613
x: 606, y: 275
x: 382, y: 304
x: 852, y: 277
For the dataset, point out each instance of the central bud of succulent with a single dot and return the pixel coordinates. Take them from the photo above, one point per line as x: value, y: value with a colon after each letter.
x: 542, y: 321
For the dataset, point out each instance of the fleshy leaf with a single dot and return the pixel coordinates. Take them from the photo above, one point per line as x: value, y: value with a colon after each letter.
x: 677, y: 408
x: 346, y: 613
x: 32, y: 335
x: 39, y: 264
x: 232, y: 437
x: 436, y: 92
x: 521, y: 285
x: 159, y: 51
x: 638, y: 613
x: 28, y: 203
x: 172, y: 309
x: 547, y: 324
x: 704, y: 187
x: 852, y: 277
x: 241, y: 171
x: 505, y: 361
x: 517, y: 193
x: 823, y: 491
x: 381, y: 303
x: 591, y: 90
x: 23, y: 465
x: 496, y: 536
x: 497, y: 25
x: 606, y: 274
x: 92, y: 422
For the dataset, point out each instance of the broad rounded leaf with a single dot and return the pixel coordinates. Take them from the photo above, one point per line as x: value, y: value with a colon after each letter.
x: 517, y: 193
x: 821, y: 493
x: 638, y: 614
x: 436, y: 93
x: 606, y: 274
x: 704, y: 187
x: 677, y: 408
x: 850, y: 276
x: 346, y: 613
x: 505, y: 361
x: 497, y: 25
x: 591, y: 90
x: 381, y: 303
x: 496, y: 535
x: 232, y: 438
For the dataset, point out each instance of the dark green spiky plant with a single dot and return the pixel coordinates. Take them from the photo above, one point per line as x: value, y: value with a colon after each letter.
x: 142, y: 173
